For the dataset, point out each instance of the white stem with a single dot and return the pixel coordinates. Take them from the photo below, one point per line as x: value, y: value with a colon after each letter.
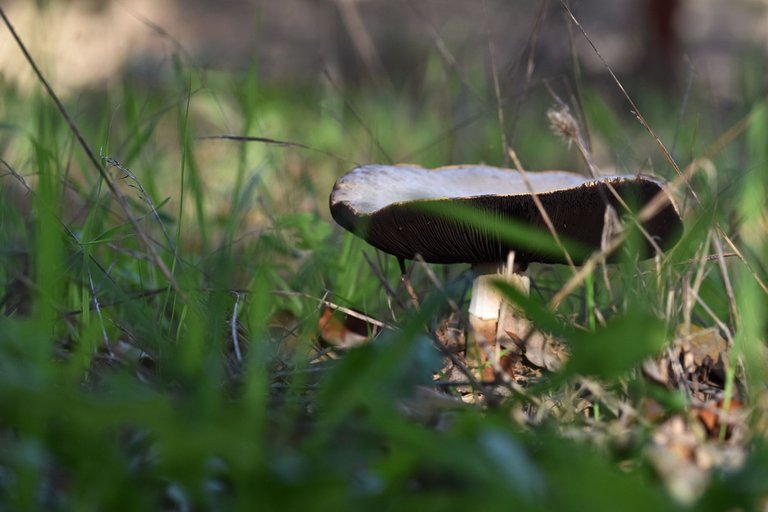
x: 490, y: 314
x: 486, y: 298
x: 486, y: 302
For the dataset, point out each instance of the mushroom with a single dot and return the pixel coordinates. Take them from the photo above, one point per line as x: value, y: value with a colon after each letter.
x: 398, y: 210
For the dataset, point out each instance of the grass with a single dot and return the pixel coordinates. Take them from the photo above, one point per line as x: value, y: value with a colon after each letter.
x: 160, y: 339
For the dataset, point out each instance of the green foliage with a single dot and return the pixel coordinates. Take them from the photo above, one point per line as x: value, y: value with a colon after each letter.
x: 610, y: 351
x: 125, y: 386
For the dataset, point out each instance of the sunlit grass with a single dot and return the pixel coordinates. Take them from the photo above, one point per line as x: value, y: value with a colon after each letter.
x: 123, y: 389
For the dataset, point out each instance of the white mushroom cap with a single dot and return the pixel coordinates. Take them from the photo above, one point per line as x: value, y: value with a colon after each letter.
x: 372, y: 187
x: 392, y: 207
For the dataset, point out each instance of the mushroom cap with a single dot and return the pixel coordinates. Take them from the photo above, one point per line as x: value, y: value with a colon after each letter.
x: 401, y: 210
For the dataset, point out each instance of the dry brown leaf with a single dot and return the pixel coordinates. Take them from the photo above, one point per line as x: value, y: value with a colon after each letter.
x: 545, y: 351
x: 341, y: 330
x: 704, y: 346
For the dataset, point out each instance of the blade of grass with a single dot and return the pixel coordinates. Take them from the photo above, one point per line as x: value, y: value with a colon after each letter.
x: 158, y: 261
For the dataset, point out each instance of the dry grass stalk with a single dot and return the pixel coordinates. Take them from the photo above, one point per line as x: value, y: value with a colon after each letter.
x: 682, y: 176
x: 142, y: 236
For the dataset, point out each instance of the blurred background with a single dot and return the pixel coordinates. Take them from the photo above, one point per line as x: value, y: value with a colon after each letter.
x: 87, y: 43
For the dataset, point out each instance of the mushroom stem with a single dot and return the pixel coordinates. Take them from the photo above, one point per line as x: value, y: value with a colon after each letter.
x: 491, y: 316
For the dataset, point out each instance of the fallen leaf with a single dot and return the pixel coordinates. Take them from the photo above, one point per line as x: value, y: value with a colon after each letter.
x: 343, y: 330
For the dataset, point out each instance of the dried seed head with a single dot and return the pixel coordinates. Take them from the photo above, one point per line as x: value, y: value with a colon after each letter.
x: 562, y: 123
